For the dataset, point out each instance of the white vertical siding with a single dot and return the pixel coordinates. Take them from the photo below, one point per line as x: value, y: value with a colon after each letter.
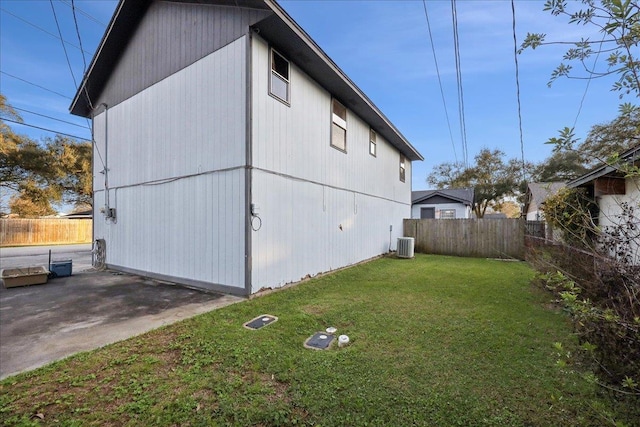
x: 321, y: 209
x: 610, y: 209
x: 176, y: 156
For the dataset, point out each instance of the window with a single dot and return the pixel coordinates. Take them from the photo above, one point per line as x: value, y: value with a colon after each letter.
x: 447, y: 214
x: 338, y: 126
x: 372, y: 142
x: 279, y: 83
x: 403, y: 160
x: 427, y: 213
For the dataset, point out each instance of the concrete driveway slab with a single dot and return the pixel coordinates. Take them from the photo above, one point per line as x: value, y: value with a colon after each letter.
x: 43, y: 323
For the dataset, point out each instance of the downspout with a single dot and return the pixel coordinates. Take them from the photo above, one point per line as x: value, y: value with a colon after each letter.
x: 248, y: 285
x: 106, y: 161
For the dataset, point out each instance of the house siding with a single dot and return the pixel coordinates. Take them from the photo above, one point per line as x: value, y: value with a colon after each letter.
x: 610, y: 209
x: 462, y: 211
x: 534, y: 214
x: 321, y: 208
x: 176, y: 160
x: 172, y: 36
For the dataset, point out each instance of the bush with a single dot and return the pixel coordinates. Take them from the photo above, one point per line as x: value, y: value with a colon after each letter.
x: 595, y: 276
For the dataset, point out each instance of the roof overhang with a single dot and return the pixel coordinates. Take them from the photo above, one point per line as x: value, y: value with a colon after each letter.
x: 278, y: 29
x: 631, y: 156
x: 441, y: 194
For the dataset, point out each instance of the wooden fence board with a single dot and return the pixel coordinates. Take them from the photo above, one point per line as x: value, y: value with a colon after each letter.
x: 25, y: 232
x: 486, y: 238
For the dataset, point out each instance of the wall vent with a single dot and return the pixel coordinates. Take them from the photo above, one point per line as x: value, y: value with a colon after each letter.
x: 405, y: 247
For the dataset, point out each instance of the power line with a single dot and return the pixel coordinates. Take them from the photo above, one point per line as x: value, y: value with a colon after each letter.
x: 45, y: 129
x: 52, y: 118
x: 456, y: 48
x: 75, y: 20
x: 586, y: 89
x: 515, y: 58
x: 36, y: 85
x: 435, y: 60
x: 66, y: 55
x: 82, y: 12
x: 39, y: 28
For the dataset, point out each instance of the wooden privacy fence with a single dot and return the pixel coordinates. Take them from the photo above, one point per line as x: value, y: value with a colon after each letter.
x: 486, y: 238
x: 24, y: 232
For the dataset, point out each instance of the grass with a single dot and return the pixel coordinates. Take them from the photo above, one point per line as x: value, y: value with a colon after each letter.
x: 435, y: 341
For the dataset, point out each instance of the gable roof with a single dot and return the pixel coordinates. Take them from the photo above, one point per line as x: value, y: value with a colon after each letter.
x: 630, y: 156
x: 540, y: 191
x: 278, y: 28
x: 461, y: 195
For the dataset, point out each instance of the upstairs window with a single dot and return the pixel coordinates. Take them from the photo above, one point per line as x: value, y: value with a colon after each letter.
x: 279, y: 83
x: 338, y: 126
x: 403, y: 162
x: 372, y: 142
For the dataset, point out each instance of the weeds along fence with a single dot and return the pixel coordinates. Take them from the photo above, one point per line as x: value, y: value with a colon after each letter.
x: 482, y: 238
x: 25, y: 232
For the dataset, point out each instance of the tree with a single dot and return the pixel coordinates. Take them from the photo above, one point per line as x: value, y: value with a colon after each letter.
x: 490, y: 177
x: 562, y: 165
x: 617, y: 136
x: 71, y: 169
x: 570, y: 160
x: 41, y: 174
x: 618, y: 21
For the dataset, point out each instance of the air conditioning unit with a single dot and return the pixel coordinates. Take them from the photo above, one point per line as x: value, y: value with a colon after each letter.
x: 405, y: 247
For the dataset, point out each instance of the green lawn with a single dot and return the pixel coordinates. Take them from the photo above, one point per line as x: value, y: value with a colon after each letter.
x: 435, y: 341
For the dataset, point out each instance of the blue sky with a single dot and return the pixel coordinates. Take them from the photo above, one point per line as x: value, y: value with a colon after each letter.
x: 383, y: 46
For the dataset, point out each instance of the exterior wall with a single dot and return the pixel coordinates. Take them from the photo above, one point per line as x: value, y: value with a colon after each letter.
x: 172, y: 36
x: 176, y: 158
x: 533, y: 214
x: 321, y: 208
x: 610, y: 209
x: 462, y: 211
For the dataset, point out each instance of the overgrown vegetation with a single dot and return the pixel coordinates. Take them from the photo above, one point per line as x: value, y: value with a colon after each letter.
x: 434, y: 341
x: 595, y: 274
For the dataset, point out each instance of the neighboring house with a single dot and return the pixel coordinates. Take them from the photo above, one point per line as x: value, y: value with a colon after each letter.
x: 442, y: 204
x: 609, y: 187
x: 537, y: 193
x: 231, y: 153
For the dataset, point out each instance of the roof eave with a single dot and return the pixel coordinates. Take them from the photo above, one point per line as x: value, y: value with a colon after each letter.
x: 630, y: 156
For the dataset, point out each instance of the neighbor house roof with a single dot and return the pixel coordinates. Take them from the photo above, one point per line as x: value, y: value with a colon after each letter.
x: 540, y: 191
x: 630, y: 156
x: 461, y: 195
x: 278, y: 28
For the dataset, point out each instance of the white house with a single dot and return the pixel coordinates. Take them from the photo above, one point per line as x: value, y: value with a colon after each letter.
x: 231, y: 153
x: 611, y: 187
x: 442, y: 204
x: 537, y: 193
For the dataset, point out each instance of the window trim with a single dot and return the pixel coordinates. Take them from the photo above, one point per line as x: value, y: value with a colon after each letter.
x: 373, y: 142
x: 342, y: 123
x: 403, y: 168
x: 447, y: 210
x: 273, y: 73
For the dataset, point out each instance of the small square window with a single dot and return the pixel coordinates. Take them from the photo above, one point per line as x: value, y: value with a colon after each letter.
x: 372, y: 142
x: 338, y: 125
x: 403, y: 161
x: 279, y: 82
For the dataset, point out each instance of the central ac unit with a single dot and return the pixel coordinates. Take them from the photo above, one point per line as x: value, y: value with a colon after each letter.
x: 405, y: 247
